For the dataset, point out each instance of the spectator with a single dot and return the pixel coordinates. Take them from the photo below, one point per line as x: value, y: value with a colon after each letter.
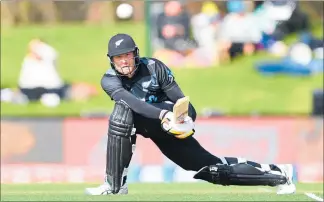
x: 39, y: 75
x: 174, y: 28
x: 277, y: 19
x: 39, y: 79
x: 205, y: 26
x: 287, y: 16
x: 205, y: 23
x: 239, y: 32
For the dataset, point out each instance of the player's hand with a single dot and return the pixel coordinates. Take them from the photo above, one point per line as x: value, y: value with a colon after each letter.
x: 179, y: 130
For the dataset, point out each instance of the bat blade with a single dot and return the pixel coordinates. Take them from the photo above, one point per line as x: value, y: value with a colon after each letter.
x: 180, y: 109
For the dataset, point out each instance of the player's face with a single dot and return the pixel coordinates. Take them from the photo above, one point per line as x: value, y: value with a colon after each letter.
x: 124, y: 63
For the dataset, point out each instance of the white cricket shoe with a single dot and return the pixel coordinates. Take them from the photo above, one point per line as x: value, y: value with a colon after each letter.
x: 105, y: 189
x: 288, y: 188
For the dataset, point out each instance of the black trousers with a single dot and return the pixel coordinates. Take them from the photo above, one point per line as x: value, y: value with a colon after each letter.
x: 34, y: 94
x: 187, y: 153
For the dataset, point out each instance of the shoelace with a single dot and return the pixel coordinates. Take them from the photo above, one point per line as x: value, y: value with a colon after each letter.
x: 108, y: 191
x: 288, y: 178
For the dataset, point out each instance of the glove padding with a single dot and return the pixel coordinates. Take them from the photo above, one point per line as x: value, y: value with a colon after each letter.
x: 179, y: 130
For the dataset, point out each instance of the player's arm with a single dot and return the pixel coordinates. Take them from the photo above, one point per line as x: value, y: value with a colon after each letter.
x: 171, y: 88
x: 113, y: 87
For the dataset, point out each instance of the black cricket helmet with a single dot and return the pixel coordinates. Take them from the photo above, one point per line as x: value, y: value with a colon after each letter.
x: 121, y: 44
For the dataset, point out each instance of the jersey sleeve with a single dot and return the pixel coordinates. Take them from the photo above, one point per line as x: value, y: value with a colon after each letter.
x: 164, y: 76
x: 111, y: 85
x: 114, y: 88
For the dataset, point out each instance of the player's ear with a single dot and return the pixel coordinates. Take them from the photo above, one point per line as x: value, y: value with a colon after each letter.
x: 136, y: 51
x: 136, y: 55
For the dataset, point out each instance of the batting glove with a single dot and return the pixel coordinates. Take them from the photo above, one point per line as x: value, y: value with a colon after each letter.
x: 179, y: 130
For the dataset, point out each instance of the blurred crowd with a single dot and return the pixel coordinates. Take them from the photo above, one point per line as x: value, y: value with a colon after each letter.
x: 215, y: 36
x: 180, y: 39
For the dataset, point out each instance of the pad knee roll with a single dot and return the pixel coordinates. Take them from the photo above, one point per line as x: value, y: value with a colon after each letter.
x: 121, y: 120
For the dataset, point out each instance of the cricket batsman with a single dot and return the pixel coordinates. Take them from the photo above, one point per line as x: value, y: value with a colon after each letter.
x: 144, y: 91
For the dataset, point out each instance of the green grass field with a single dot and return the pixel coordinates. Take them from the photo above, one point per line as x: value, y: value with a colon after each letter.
x: 156, y: 192
x: 235, y: 89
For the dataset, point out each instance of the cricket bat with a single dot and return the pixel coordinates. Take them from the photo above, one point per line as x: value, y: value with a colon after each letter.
x: 180, y: 109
